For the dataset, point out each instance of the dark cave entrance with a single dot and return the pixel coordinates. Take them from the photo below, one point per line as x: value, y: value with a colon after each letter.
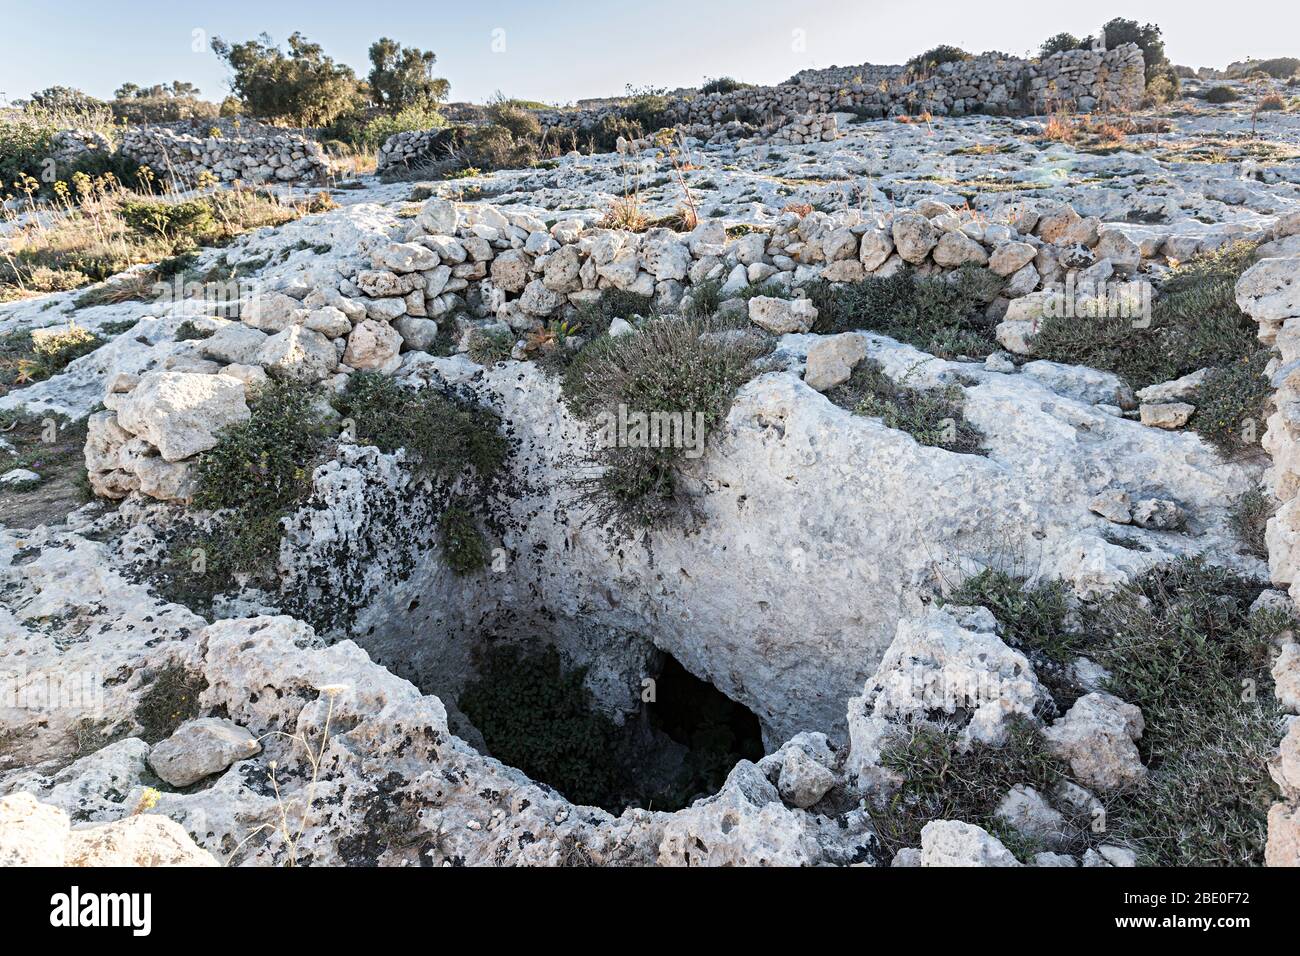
x: 536, y: 714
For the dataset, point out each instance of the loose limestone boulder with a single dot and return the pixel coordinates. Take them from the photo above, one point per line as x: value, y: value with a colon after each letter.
x: 803, y: 781
x: 181, y: 413
x: 373, y: 346
x: 38, y: 834
x: 32, y: 833
x: 1270, y: 289
x: 914, y: 237
x: 200, y: 748
x: 298, y: 355
x: 831, y: 360
x: 782, y: 316
x: 1097, y: 736
x: 954, y: 843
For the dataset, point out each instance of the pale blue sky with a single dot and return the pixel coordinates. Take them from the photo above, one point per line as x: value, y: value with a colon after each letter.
x: 559, y: 51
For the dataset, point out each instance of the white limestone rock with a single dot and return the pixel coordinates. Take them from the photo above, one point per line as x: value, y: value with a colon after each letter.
x: 182, y: 413
x: 200, y: 748
x: 373, y: 346
x: 1097, y: 736
x: 781, y: 316
x: 954, y: 843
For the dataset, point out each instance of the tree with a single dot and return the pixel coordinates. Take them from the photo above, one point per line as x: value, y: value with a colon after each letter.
x: 63, y: 98
x: 1120, y: 31
x: 302, y: 86
x: 1059, y: 44
x: 402, y: 77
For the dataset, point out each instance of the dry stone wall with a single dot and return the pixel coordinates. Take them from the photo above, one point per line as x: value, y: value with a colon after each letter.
x: 1081, y: 79
x: 1270, y: 293
x: 281, y: 157
x: 1074, y: 79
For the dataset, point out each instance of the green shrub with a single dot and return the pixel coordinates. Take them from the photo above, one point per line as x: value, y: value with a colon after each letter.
x: 170, y: 699
x: 1195, y: 323
x: 53, y: 351
x: 489, y: 346
x: 1031, y: 618
x: 189, y: 219
x: 1248, y: 517
x: 301, y: 86
x: 932, y: 416
x: 441, y: 434
x: 669, y: 366
x: 187, y: 331
x: 1232, y: 405
x: 935, y: 57
x: 943, y: 315
x: 943, y: 779
x: 1221, y: 94
x: 372, y: 133
x: 402, y: 77
x: 723, y: 84
x: 1280, y: 68
x: 1180, y: 643
x: 648, y: 111
x: 1058, y: 43
x: 25, y: 358
x: 258, y: 472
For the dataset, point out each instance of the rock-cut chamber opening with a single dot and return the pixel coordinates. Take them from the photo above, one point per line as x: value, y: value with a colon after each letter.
x: 535, y: 712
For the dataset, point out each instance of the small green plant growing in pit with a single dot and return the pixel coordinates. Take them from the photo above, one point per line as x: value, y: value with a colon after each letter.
x: 462, y: 542
x: 490, y: 346
x: 537, y: 716
x: 442, y: 434
x: 187, y: 331
x: 932, y: 416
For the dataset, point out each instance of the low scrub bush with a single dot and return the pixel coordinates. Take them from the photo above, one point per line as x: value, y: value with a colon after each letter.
x: 723, y: 84
x: 113, y: 228
x: 932, y: 416
x: 442, y: 435
x: 684, y: 372
x: 1248, y: 517
x: 944, y: 315
x: 25, y: 358
x: 1031, y: 617
x: 463, y: 545
x: 1221, y: 94
x: 945, y: 780
x: 1195, y: 324
x: 1232, y: 405
x: 935, y: 57
x: 259, y: 470
x: 1180, y: 643
x: 538, y: 716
